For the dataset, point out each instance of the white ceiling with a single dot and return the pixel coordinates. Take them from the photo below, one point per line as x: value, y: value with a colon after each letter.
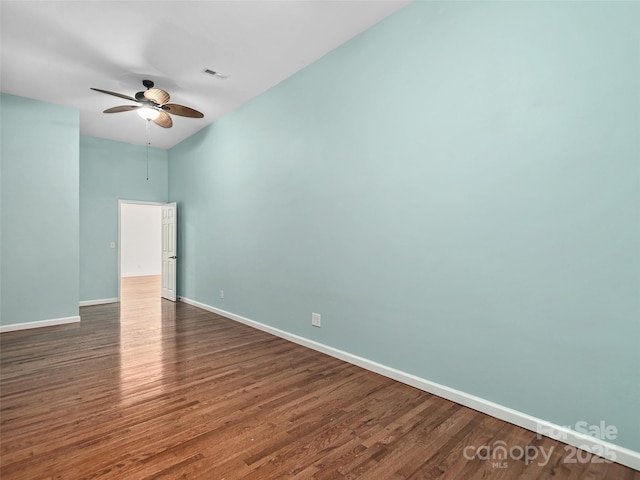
x: 55, y: 50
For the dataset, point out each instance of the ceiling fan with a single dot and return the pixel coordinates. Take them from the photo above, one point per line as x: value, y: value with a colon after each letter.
x: 152, y: 105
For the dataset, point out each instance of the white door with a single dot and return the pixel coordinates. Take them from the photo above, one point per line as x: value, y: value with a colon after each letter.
x: 169, y: 251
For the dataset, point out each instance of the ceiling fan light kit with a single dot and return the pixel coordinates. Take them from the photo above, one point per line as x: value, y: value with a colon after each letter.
x: 148, y: 113
x: 152, y: 105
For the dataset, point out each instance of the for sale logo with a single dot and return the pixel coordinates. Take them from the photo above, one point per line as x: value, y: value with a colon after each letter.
x: 601, y: 431
x: 499, y: 453
x: 585, y: 453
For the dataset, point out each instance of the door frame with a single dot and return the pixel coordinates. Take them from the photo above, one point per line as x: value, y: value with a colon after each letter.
x: 130, y: 202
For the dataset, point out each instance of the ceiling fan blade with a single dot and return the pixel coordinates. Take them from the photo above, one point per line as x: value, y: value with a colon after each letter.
x: 157, y: 95
x: 126, y: 97
x: 122, y: 108
x: 181, y: 110
x: 164, y: 120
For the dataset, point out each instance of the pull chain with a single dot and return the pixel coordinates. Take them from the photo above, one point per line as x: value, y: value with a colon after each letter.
x: 148, y: 145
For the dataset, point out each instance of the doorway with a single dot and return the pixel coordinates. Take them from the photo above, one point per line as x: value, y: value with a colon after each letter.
x: 140, y: 252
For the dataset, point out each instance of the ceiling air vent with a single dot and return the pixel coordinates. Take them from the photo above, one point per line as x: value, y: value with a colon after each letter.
x: 215, y: 74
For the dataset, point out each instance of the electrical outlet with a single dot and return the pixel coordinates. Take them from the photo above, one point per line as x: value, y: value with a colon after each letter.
x: 221, y: 293
x: 315, y: 319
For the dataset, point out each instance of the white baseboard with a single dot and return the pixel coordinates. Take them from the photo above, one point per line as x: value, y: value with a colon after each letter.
x: 99, y: 301
x: 39, y: 323
x: 621, y: 455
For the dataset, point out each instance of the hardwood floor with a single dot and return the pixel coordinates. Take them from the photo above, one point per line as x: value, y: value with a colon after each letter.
x: 150, y: 389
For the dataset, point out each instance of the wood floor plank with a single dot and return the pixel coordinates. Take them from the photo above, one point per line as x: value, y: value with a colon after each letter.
x: 150, y: 389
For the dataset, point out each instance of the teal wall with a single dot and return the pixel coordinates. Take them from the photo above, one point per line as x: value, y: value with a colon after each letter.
x: 111, y: 171
x: 39, y: 250
x: 456, y: 192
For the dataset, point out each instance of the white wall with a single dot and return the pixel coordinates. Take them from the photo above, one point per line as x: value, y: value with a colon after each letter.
x: 141, y: 244
x: 110, y: 171
x: 39, y: 217
x: 462, y: 186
